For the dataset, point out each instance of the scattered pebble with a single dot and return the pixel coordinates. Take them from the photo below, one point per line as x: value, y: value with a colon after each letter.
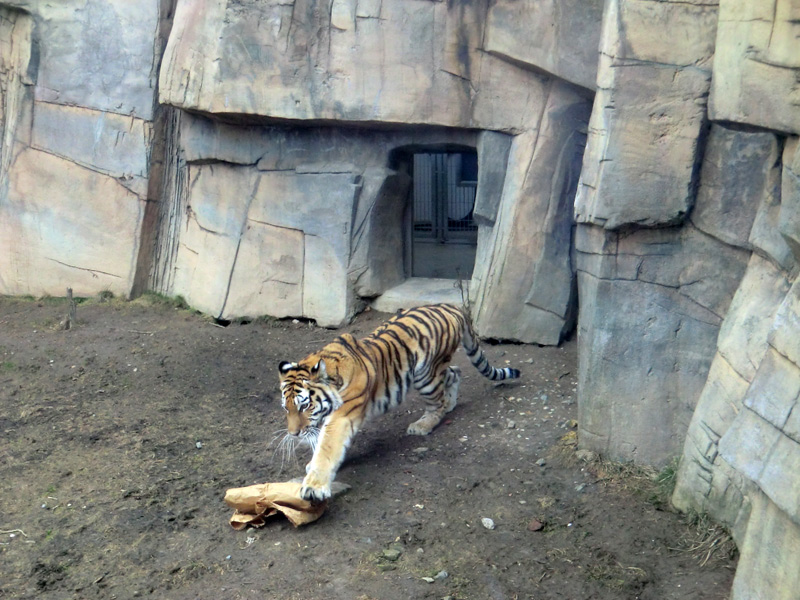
x: 441, y: 575
x: 198, y: 445
x: 420, y: 450
x: 541, y: 462
x: 511, y: 424
x: 487, y: 523
x: 535, y: 525
x: 580, y: 487
x: 392, y: 554
x: 428, y: 579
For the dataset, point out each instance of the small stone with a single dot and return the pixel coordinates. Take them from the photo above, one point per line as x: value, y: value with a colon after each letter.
x: 420, y: 450
x: 541, y: 462
x: 441, y: 575
x: 511, y: 424
x: 580, y: 487
x: 392, y: 554
x: 198, y: 445
x: 487, y: 523
x: 339, y: 488
x: 535, y: 525
x: 428, y: 579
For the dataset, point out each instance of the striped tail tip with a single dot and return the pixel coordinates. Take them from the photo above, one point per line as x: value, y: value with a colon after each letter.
x: 504, y: 373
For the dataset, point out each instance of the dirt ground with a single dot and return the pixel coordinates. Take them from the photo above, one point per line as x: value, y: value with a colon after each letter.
x: 121, y: 435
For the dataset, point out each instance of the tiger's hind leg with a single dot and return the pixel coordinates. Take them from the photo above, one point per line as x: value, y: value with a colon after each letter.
x: 441, y: 396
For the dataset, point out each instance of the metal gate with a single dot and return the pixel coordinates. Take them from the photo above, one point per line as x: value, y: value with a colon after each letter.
x: 444, y: 234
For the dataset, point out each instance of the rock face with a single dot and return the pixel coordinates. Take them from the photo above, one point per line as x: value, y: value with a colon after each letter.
x: 544, y: 35
x: 755, y: 68
x: 336, y: 66
x: 649, y: 320
x: 649, y: 114
x: 534, y: 220
x: 285, y: 222
x: 627, y: 181
x: 78, y: 99
x: 333, y: 61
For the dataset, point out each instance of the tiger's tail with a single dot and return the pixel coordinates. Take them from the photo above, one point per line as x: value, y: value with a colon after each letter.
x: 478, y: 358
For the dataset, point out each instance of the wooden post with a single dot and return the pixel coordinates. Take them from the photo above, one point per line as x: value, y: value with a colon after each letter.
x: 70, y: 318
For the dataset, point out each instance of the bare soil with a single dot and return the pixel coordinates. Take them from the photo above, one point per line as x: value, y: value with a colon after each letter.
x: 121, y: 435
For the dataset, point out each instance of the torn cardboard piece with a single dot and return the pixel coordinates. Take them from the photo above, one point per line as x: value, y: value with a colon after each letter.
x: 255, y: 504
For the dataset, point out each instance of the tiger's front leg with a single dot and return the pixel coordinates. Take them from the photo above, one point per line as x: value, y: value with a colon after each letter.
x: 334, y: 441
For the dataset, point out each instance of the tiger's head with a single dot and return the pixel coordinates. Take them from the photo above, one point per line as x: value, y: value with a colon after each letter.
x: 308, y: 396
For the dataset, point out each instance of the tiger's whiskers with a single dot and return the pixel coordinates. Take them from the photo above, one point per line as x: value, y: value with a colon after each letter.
x: 310, y: 437
x: 288, y: 444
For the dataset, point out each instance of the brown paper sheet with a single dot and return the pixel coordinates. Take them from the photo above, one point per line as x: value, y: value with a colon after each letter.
x: 254, y: 504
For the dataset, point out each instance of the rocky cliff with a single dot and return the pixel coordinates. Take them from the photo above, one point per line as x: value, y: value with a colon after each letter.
x: 639, y: 175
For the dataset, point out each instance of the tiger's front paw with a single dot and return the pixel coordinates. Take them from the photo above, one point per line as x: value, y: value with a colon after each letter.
x: 315, y: 489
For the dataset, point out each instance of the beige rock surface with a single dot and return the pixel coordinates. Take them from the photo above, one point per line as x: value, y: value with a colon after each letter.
x: 756, y: 65
x: 648, y: 115
x: 534, y: 225
x: 559, y: 37
x: 66, y: 226
x: 389, y: 62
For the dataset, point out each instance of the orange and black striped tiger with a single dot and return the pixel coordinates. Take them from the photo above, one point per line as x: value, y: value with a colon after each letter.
x: 329, y: 394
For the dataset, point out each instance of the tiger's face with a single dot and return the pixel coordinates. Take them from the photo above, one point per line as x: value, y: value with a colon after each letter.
x: 307, y: 396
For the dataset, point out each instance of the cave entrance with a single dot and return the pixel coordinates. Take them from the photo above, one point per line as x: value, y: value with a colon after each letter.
x: 443, y: 235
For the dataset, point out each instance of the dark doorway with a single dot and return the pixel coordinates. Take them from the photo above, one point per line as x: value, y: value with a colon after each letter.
x: 444, y: 236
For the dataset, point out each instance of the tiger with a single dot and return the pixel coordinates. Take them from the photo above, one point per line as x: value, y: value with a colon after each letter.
x: 329, y: 394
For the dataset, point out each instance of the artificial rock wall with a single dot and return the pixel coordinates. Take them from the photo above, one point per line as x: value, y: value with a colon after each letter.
x: 639, y: 174
x: 311, y: 228
x: 77, y: 83
x: 687, y: 257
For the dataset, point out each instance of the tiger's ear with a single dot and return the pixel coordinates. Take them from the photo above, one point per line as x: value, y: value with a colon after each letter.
x: 286, y: 366
x: 320, y: 370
